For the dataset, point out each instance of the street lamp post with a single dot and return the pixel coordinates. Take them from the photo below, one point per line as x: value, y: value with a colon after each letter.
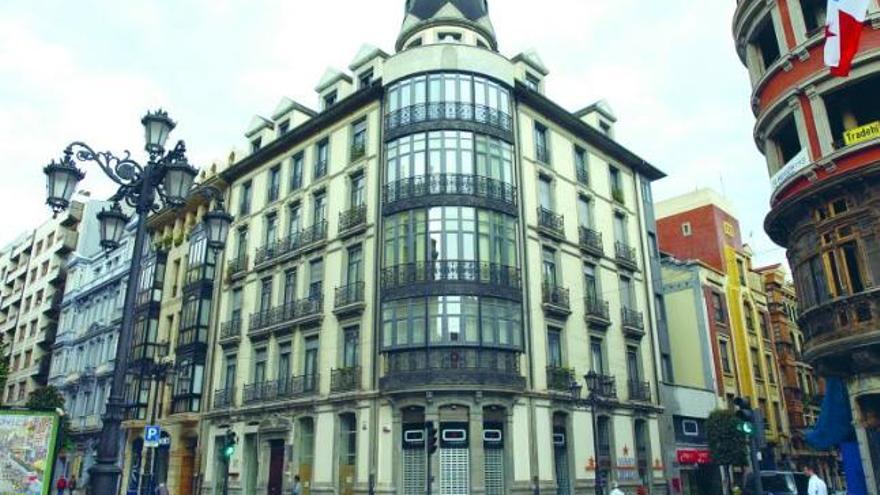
x: 593, y: 399
x: 165, y: 181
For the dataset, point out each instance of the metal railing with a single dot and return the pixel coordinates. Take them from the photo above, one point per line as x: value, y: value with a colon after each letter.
x: 559, y: 378
x: 596, y: 308
x: 604, y: 386
x: 555, y: 295
x: 353, y: 217
x: 451, y: 271
x: 358, y: 150
x: 551, y: 221
x: 624, y: 253
x: 283, y: 388
x: 582, y: 175
x: 442, y: 110
x: 632, y: 318
x: 285, y: 313
x: 449, y: 184
x: 294, y: 242
x: 542, y: 154
x: 224, y: 398
x: 320, y: 169
x: 230, y: 329
x: 454, y: 367
x: 349, y: 294
x: 639, y: 391
x: 590, y: 241
x: 345, y: 379
x: 237, y: 265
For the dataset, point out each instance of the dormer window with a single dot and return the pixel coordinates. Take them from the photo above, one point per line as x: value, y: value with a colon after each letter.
x: 449, y: 37
x: 284, y: 127
x: 532, y: 82
x: 605, y: 127
x: 416, y: 42
x: 256, y: 144
x: 330, y: 99
x: 365, y: 79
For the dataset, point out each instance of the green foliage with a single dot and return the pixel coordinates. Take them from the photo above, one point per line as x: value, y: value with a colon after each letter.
x: 727, y: 443
x: 48, y: 399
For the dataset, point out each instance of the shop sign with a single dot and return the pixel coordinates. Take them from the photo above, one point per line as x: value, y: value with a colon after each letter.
x: 693, y: 456
x: 862, y: 133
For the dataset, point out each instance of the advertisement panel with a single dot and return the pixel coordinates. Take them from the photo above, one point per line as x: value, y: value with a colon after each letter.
x: 28, y: 442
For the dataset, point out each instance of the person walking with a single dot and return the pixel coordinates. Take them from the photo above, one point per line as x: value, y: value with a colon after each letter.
x: 616, y: 489
x: 297, y: 487
x: 816, y: 486
x: 162, y: 489
x: 61, y: 485
x: 71, y: 485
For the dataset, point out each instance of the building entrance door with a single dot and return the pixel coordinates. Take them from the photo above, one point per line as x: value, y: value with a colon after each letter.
x: 414, y: 459
x: 493, y: 450
x: 560, y: 457
x: 455, y: 473
x: 276, y: 467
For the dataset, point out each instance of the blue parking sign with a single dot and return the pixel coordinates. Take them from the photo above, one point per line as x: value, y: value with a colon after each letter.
x: 151, y: 435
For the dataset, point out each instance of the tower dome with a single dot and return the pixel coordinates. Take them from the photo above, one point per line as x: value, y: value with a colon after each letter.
x: 471, y: 16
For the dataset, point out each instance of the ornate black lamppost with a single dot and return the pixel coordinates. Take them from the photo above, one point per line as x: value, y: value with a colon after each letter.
x: 596, y: 394
x: 165, y: 181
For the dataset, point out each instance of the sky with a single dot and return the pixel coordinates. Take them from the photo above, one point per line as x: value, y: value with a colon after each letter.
x: 88, y: 70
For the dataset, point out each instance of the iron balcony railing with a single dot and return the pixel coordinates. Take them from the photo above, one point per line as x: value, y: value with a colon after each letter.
x: 449, y: 184
x: 542, y: 154
x: 457, y: 367
x: 582, y: 175
x: 551, y: 221
x: 285, y: 313
x: 596, y: 308
x: 358, y: 150
x: 451, y: 271
x: 349, y: 294
x: 353, y: 217
x: 555, y: 296
x: 632, y: 319
x: 237, y: 265
x: 591, y: 241
x: 345, y: 379
x: 639, y: 391
x: 224, y: 398
x: 454, y: 111
x: 230, y: 329
x: 284, y: 388
x: 624, y: 253
x: 292, y: 243
x: 559, y: 378
x: 320, y: 169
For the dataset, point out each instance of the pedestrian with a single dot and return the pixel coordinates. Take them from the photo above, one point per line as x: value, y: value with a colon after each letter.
x: 297, y: 487
x: 616, y: 489
x: 71, y: 485
x: 816, y: 486
x: 162, y: 489
x: 61, y: 485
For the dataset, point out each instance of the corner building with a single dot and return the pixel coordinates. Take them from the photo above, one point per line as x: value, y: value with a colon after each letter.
x: 821, y: 137
x: 440, y: 244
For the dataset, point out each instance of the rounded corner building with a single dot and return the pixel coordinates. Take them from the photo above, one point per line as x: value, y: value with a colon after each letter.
x: 821, y: 138
x: 441, y: 276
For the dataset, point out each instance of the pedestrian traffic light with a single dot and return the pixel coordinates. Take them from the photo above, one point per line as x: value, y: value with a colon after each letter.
x: 431, y: 438
x: 746, y: 416
x: 229, y: 443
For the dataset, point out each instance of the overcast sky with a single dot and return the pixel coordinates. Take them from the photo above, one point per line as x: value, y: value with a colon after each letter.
x: 88, y: 69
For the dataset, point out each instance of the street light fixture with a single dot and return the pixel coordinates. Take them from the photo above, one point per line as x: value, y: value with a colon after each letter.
x: 164, y: 182
x: 595, y: 396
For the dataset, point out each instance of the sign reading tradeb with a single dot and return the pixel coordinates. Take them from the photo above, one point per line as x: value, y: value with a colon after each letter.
x: 861, y: 134
x: 152, y: 434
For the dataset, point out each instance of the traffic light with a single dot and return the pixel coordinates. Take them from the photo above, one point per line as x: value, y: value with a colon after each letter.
x: 431, y: 438
x: 746, y: 416
x: 229, y: 443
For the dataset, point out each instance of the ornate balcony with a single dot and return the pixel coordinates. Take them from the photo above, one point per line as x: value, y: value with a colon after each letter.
x: 301, y: 312
x: 449, y: 190
x: 345, y: 379
x: 603, y: 386
x: 444, y: 277
x: 358, y: 150
x: 639, y: 391
x: 224, y: 398
x: 237, y: 267
x: 292, y: 245
x: 285, y: 388
x: 555, y: 300
x: 559, y: 379
x: 349, y: 300
x: 454, y: 368
x: 837, y: 328
x: 590, y: 241
x: 596, y: 312
x: 551, y: 224
x: 625, y: 256
x: 230, y: 332
x: 353, y: 220
x: 457, y: 115
x: 633, y: 323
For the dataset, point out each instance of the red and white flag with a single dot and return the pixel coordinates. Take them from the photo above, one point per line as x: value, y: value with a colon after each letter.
x: 842, y: 33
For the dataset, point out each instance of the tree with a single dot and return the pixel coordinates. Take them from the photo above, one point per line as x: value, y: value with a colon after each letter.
x: 727, y: 445
x: 49, y: 399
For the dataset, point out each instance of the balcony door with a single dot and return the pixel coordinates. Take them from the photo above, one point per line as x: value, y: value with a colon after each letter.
x: 310, y: 364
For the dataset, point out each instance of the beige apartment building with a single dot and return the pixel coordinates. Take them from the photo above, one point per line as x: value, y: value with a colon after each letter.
x: 440, y: 244
x: 33, y: 270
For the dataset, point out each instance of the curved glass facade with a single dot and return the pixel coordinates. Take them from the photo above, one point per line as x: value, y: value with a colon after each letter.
x: 449, y: 153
